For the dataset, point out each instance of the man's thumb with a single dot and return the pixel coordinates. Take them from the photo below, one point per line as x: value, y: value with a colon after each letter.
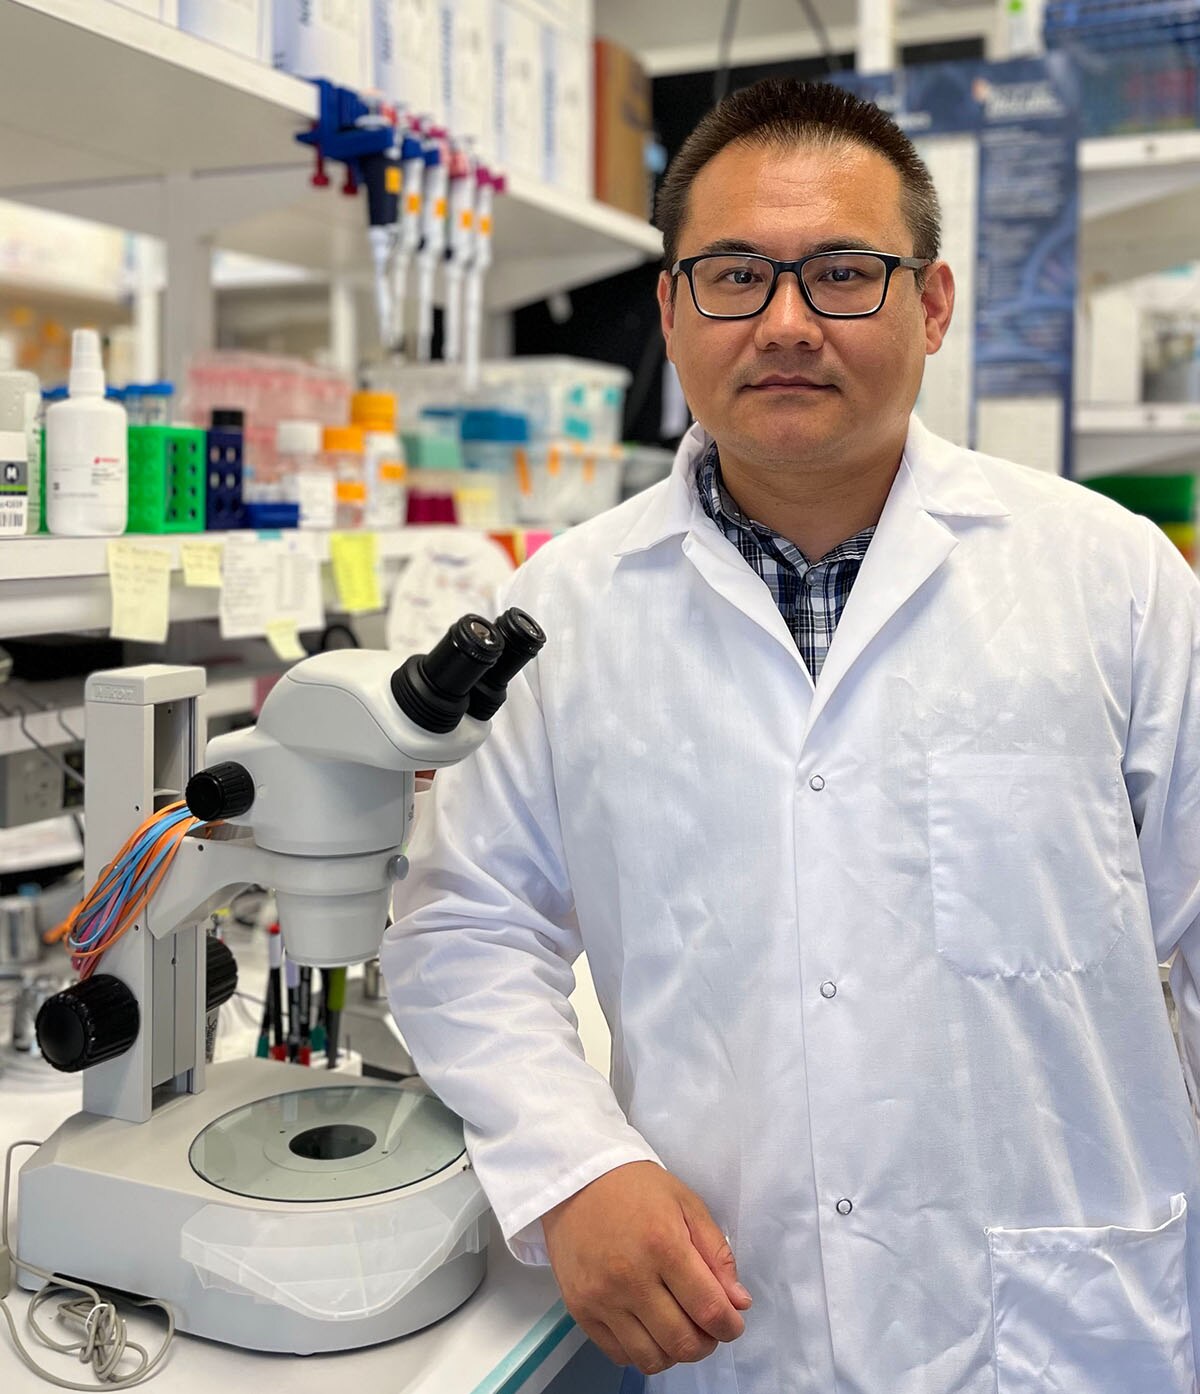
x: 714, y: 1248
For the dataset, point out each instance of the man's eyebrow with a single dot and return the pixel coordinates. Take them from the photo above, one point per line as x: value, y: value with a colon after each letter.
x: 733, y: 246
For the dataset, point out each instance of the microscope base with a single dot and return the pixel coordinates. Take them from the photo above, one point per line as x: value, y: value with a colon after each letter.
x: 105, y: 1201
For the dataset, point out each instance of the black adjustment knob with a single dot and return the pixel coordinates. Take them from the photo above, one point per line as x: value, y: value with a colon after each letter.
x: 432, y: 689
x: 221, y: 978
x: 87, y: 1023
x: 523, y: 639
x: 221, y: 791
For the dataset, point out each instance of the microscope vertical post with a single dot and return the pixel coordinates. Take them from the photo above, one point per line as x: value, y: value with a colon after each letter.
x: 145, y: 737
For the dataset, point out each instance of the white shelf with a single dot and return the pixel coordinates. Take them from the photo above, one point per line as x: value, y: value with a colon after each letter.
x: 223, y: 696
x: 1119, y: 439
x: 99, y: 107
x: 544, y: 240
x: 1139, y: 204
x: 60, y: 584
x: 94, y: 91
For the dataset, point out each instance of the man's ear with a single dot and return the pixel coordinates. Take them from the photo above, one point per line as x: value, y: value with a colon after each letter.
x: 666, y: 308
x: 937, y: 299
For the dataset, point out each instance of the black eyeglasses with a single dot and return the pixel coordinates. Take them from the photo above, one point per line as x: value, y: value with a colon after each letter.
x: 836, y: 285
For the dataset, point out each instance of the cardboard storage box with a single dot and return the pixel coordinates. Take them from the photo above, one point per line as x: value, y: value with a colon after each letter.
x: 622, y: 129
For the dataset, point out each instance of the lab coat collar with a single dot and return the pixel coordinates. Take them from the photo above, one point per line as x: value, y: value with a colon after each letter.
x: 948, y: 480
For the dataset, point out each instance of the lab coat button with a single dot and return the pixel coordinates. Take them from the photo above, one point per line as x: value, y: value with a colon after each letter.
x: 844, y: 1206
x: 816, y: 783
x: 829, y: 989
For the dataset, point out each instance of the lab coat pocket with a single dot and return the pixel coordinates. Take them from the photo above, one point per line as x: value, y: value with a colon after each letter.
x: 1092, y: 1311
x: 1024, y: 861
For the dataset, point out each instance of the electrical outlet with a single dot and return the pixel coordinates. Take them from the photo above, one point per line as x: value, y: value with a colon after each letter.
x: 31, y: 788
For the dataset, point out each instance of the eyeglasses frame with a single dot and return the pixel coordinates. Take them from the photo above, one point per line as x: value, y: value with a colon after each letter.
x: 892, y: 264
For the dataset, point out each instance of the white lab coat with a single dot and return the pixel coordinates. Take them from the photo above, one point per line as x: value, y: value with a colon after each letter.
x: 879, y: 958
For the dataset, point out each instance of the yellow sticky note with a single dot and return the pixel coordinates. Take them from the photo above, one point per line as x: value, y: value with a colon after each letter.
x: 139, y: 577
x: 284, y: 641
x: 353, y: 555
x: 201, y: 562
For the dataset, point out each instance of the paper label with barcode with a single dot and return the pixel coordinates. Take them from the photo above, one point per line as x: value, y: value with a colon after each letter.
x: 14, y: 505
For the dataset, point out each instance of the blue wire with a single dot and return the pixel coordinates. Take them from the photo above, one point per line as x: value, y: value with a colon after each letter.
x: 135, y: 853
x: 125, y: 884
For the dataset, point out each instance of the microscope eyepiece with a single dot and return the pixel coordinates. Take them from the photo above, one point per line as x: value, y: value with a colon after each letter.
x: 433, y: 688
x: 523, y: 638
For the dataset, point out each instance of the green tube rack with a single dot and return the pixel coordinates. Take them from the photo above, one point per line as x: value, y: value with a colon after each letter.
x: 166, y: 479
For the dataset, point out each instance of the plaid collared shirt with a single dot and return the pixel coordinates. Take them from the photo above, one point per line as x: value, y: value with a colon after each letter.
x: 811, y: 595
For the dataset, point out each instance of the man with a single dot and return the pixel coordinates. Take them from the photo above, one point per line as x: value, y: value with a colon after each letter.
x: 866, y: 770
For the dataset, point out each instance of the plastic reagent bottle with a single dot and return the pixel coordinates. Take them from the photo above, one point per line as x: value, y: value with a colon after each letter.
x: 87, y: 466
x: 29, y: 390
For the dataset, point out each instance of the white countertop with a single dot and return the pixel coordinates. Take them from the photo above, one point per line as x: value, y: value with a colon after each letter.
x: 511, y: 1337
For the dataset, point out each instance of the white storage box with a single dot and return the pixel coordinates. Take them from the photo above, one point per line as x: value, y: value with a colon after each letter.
x: 323, y: 38
x: 518, y: 97
x: 241, y: 25
x: 567, y: 483
x: 466, y: 72
x: 567, y: 399
x: 567, y: 116
x: 167, y: 11
x: 407, y: 55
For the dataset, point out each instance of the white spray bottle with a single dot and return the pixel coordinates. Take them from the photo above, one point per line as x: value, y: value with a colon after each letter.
x: 87, y: 464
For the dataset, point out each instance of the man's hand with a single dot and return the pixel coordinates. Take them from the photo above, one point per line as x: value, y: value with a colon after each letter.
x: 644, y: 1270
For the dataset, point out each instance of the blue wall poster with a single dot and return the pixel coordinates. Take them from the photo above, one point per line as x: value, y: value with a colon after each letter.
x: 1000, y: 139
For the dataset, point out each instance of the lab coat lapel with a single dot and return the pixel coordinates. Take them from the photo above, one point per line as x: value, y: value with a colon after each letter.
x: 674, y: 510
x: 724, y: 568
x: 937, y: 482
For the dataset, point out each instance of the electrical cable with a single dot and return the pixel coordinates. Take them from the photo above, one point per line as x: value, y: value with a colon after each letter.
x: 725, y: 52
x: 817, y: 25
x: 56, y: 712
x: 105, y: 1341
x: 38, y: 746
x: 124, y: 887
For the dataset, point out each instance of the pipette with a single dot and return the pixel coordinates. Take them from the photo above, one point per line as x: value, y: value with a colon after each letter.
x: 460, y: 246
x: 487, y: 185
x: 381, y: 175
x: 433, y: 238
x: 412, y: 198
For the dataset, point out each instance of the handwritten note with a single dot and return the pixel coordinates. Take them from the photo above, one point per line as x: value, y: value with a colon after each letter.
x: 354, y: 556
x: 201, y: 563
x: 450, y: 576
x: 284, y: 641
x: 269, y: 580
x: 139, y: 577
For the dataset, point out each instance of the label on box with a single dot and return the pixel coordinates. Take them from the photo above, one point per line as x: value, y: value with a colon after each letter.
x: 14, y: 484
x: 518, y: 95
x: 316, y: 495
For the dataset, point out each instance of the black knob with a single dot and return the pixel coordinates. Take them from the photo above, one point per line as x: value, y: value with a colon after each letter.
x: 221, y: 974
x: 523, y: 638
x: 433, y: 688
x: 221, y: 791
x: 90, y: 1022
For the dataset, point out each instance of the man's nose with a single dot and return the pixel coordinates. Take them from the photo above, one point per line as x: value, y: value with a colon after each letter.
x: 789, y: 320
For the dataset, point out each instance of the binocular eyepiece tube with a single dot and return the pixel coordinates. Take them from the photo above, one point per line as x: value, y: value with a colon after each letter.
x: 467, y: 670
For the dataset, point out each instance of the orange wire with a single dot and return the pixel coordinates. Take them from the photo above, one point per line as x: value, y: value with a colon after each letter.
x: 85, y: 957
x: 61, y: 931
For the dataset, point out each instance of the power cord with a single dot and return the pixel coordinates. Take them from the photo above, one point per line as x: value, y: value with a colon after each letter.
x: 105, y: 1339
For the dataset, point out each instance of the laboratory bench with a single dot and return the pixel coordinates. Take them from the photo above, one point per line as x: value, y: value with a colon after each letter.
x: 512, y: 1336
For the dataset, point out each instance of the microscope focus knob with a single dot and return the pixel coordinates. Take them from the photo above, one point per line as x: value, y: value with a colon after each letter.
x: 87, y: 1023
x: 221, y: 791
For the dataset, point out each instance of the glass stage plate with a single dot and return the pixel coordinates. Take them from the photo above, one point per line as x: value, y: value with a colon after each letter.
x: 337, y: 1143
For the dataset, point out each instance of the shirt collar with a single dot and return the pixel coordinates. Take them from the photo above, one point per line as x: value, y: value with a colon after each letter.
x: 723, y: 509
